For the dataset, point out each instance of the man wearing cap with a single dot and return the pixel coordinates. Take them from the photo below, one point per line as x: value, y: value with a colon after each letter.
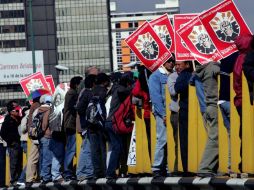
x: 10, y: 134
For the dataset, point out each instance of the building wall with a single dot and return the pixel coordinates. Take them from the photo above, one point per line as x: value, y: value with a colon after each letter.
x: 83, y: 36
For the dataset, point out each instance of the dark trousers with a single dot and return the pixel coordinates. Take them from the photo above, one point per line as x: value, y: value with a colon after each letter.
x: 2, y: 164
x: 183, y: 133
x: 15, y: 154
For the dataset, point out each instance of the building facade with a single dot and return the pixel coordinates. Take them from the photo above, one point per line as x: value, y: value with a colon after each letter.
x: 83, y: 36
x: 123, y: 24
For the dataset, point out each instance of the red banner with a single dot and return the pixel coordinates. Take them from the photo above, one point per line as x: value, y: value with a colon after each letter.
x: 50, y: 83
x: 182, y: 52
x: 33, y: 82
x: 224, y: 23
x: 164, y: 29
x: 199, y: 42
x: 148, y: 47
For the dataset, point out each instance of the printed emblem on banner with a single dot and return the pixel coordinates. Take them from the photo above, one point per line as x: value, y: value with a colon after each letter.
x: 163, y: 33
x: 225, y: 26
x: 34, y: 84
x: 201, y: 40
x: 147, y: 46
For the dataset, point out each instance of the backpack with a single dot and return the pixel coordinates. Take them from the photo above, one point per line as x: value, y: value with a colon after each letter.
x: 35, y: 130
x: 123, y: 117
x: 94, y: 114
x: 55, y: 119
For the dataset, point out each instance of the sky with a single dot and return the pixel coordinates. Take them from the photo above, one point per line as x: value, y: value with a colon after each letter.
x: 246, y: 7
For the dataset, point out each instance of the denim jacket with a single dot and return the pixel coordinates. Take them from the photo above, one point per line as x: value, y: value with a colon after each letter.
x: 156, y: 83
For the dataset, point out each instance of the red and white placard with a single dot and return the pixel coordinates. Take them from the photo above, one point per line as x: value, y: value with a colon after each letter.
x: 148, y: 47
x: 182, y: 52
x: 164, y: 29
x: 33, y: 82
x: 50, y: 83
x: 199, y: 42
x: 224, y: 23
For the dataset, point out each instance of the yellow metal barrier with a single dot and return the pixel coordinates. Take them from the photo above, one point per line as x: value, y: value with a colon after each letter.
x: 247, y: 129
x: 234, y: 130
x: 7, y: 169
x: 223, y: 142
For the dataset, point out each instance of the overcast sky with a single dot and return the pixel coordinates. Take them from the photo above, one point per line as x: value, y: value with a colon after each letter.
x: 246, y: 7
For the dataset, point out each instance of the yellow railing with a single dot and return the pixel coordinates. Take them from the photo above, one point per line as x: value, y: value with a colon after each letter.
x: 197, y: 138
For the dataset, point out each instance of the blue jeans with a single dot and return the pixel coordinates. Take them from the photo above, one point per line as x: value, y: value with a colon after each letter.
x: 85, y: 165
x: 2, y: 164
x: 22, y: 177
x: 160, y: 156
x: 46, y: 159
x: 116, y: 147
x: 69, y: 155
x: 57, y: 148
x: 225, y: 111
x: 98, y: 152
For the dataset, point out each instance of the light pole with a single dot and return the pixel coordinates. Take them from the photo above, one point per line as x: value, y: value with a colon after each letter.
x: 32, y: 34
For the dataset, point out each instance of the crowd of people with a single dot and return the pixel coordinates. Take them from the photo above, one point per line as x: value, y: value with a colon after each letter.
x: 89, y: 108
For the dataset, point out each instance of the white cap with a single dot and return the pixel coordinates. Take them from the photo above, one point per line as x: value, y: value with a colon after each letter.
x: 46, y: 99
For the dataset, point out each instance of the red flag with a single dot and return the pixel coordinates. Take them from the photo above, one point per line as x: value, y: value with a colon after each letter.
x: 182, y: 52
x: 164, y: 29
x: 199, y: 42
x: 224, y: 23
x: 33, y: 82
x: 50, y: 83
x: 148, y: 47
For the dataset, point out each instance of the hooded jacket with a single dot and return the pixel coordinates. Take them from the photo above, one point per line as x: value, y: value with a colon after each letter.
x: 45, y: 109
x: 243, y: 45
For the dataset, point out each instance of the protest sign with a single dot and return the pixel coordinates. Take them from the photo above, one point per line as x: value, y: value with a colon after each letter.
x: 50, y: 83
x: 182, y: 52
x: 224, y: 23
x: 148, y: 47
x: 33, y: 82
x: 164, y: 29
x: 199, y: 42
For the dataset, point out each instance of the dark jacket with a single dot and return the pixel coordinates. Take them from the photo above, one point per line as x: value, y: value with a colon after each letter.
x: 119, y: 94
x: 248, y: 68
x: 101, y: 92
x: 70, y: 112
x: 243, y: 45
x: 9, y: 130
x: 182, y: 87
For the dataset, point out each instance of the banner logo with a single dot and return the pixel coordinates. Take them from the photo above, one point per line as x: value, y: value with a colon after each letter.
x: 163, y: 33
x: 147, y: 46
x: 201, y: 40
x: 225, y: 26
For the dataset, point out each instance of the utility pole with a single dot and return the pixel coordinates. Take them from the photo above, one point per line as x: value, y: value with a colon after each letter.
x: 32, y: 35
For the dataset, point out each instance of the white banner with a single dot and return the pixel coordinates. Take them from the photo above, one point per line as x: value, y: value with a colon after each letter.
x: 17, y: 65
x: 131, y: 161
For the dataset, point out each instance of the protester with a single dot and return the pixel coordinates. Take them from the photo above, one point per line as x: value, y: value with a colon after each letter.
x: 208, y: 74
x: 10, y: 134
x: 157, y: 82
x: 243, y: 44
x: 119, y: 93
x: 2, y: 155
x: 174, y: 108
x: 248, y: 68
x: 85, y: 166
x: 182, y: 88
x: 96, y: 132
x: 70, y: 115
x: 141, y: 92
x: 32, y: 174
x: 45, y: 153
x: 226, y: 68
x: 23, y: 138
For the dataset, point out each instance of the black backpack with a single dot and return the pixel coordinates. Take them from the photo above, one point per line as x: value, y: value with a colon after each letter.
x: 94, y: 114
x: 35, y: 131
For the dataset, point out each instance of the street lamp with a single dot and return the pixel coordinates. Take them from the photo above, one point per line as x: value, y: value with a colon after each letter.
x: 64, y: 68
x: 32, y: 34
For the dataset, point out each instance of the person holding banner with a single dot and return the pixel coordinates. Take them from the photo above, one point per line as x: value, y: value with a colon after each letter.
x: 181, y: 87
x: 208, y: 74
x: 156, y: 84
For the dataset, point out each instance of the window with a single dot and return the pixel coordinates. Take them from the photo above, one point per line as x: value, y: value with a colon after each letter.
x: 118, y: 25
x: 130, y: 24
x: 118, y: 35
